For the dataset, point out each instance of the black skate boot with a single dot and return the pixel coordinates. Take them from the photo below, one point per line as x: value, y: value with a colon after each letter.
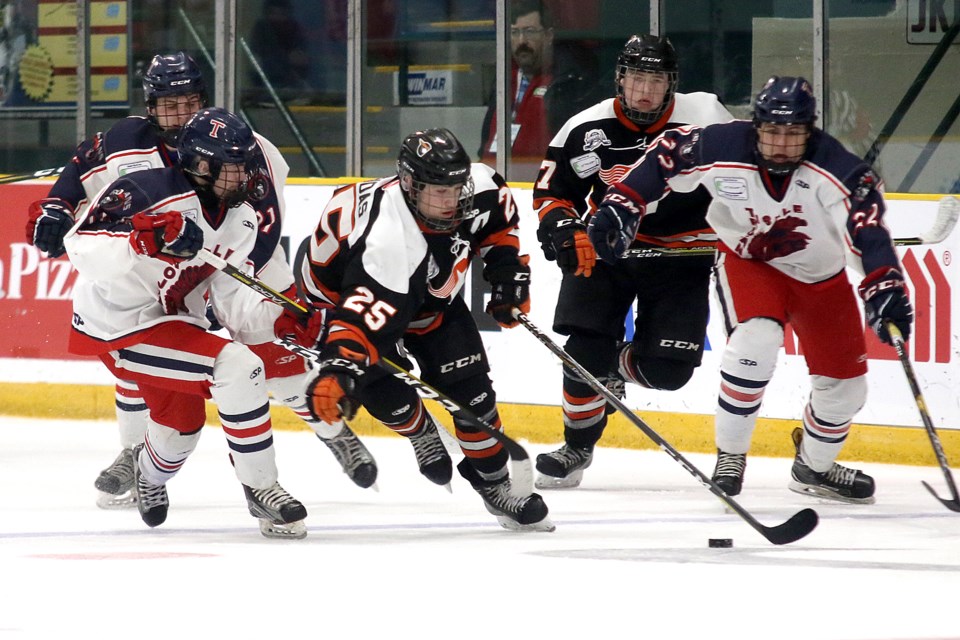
x: 728, y: 474
x: 432, y: 457
x: 516, y: 513
x: 353, y: 457
x: 115, y: 483
x: 563, y: 468
x: 280, y: 514
x: 837, y: 483
x: 152, y: 501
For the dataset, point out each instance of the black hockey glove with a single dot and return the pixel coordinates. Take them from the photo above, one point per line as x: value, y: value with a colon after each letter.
x: 885, y: 300
x: 511, y: 290
x: 563, y: 237
x: 612, y: 230
x: 48, y: 221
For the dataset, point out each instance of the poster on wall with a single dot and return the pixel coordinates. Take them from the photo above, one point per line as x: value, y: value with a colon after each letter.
x: 38, y: 54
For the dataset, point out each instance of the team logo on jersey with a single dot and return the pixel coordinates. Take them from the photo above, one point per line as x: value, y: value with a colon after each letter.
x: 594, y: 139
x: 585, y: 165
x: 458, y: 245
x: 423, y: 148
x: 731, y: 188
x: 115, y: 203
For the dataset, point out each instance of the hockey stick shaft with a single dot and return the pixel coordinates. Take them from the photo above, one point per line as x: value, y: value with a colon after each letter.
x: 42, y: 173
x: 798, y: 526
x: 943, y: 225
x: 521, y: 468
x: 900, y: 346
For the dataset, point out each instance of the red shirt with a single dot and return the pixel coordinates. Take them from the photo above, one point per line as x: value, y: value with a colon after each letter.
x: 531, y: 140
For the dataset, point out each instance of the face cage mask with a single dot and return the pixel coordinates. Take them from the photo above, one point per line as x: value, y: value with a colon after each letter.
x: 780, y: 168
x: 171, y: 135
x: 645, y: 118
x: 463, y: 211
x: 255, y: 187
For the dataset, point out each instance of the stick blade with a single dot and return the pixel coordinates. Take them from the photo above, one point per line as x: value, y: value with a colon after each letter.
x: 953, y: 505
x: 798, y: 526
x: 947, y: 214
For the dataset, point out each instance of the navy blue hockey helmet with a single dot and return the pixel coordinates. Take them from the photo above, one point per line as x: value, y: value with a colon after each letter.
x: 175, y: 74
x: 785, y: 100
x: 435, y: 157
x: 650, y: 54
x: 212, y: 138
x: 783, y: 103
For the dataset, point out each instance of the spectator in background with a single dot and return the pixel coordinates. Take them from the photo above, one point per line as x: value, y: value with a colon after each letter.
x: 549, y: 83
x: 278, y: 42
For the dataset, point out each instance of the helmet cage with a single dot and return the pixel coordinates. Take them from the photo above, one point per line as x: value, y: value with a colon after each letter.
x: 647, y: 54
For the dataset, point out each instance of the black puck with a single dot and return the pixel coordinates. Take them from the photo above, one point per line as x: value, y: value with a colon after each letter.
x: 720, y: 543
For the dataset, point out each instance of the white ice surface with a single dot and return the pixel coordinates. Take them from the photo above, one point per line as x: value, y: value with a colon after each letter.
x: 629, y: 558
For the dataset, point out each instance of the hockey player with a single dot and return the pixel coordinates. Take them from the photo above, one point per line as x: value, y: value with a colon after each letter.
x: 788, y: 200
x: 392, y: 255
x: 593, y: 150
x: 140, y: 306
x: 174, y: 89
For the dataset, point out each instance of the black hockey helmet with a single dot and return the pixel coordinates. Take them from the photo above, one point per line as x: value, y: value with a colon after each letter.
x: 652, y: 54
x: 784, y: 101
x: 212, y: 138
x: 435, y: 157
x: 175, y: 74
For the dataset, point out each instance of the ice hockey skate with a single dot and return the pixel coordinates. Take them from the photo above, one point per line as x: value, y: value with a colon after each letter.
x: 432, y: 457
x: 515, y: 513
x: 115, y: 483
x: 728, y: 474
x: 563, y: 468
x: 354, y: 457
x: 838, y: 483
x: 151, y: 499
x: 280, y: 514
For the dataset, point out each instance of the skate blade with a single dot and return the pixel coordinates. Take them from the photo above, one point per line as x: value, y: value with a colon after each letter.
x: 109, y: 501
x: 826, y: 494
x: 545, y: 525
x: 572, y: 481
x: 287, y: 531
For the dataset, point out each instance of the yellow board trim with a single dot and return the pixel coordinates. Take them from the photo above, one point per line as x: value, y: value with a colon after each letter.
x: 533, y: 423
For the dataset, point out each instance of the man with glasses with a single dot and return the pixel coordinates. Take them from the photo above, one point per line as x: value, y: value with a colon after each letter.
x: 549, y: 83
x: 788, y: 202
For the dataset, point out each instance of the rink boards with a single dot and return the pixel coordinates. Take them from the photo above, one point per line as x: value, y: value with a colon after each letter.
x: 35, y: 291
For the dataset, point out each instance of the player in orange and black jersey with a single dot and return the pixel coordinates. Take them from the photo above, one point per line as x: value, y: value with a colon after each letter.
x: 593, y: 150
x: 391, y: 256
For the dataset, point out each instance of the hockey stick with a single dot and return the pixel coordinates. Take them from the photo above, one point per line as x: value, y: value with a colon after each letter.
x: 521, y: 484
x: 798, y: 526
x: 42, y: 173
x: 942, y: 226
x: 901, y: 347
